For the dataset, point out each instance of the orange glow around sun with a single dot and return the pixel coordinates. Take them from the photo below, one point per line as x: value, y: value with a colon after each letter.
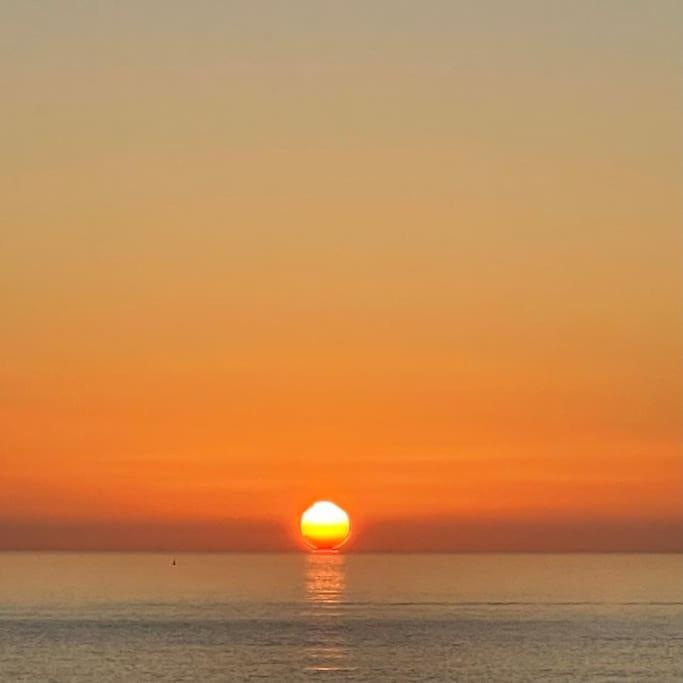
x: 325, y: 526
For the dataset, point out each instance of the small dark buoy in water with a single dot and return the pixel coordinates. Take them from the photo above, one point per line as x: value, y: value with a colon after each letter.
x: 173, y: 562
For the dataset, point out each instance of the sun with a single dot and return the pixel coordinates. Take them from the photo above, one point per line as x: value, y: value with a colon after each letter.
x: 325, y: 526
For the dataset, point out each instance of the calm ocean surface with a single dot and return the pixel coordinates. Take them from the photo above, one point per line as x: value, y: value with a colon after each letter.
x: 134, y: 617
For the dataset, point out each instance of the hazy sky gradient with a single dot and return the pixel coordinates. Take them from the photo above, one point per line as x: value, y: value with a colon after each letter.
x: 419, y: 258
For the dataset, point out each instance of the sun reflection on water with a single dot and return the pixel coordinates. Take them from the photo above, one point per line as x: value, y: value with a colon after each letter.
x: 325, y: 586
x: 325, y: 579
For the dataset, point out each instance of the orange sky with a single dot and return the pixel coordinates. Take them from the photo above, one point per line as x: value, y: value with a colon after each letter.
x: 419, y: 259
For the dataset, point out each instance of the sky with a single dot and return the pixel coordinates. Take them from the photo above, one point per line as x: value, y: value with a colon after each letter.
x: 421, y: 259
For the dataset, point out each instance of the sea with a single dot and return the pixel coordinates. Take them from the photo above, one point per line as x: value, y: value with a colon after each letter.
x: 340, y: 617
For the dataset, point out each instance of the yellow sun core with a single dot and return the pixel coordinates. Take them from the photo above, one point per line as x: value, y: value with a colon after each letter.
x: 325, y: 526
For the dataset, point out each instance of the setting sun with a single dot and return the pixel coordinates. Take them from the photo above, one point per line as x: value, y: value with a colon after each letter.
x: 325, y: 526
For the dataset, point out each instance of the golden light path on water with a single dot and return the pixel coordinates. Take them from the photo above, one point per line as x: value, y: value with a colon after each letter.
x: 327, y: 650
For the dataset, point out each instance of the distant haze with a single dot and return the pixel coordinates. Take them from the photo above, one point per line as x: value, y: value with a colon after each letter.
x: 421, y: 259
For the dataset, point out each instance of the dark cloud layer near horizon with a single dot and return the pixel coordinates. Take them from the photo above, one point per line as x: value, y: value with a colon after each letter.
x: 416, y: 535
